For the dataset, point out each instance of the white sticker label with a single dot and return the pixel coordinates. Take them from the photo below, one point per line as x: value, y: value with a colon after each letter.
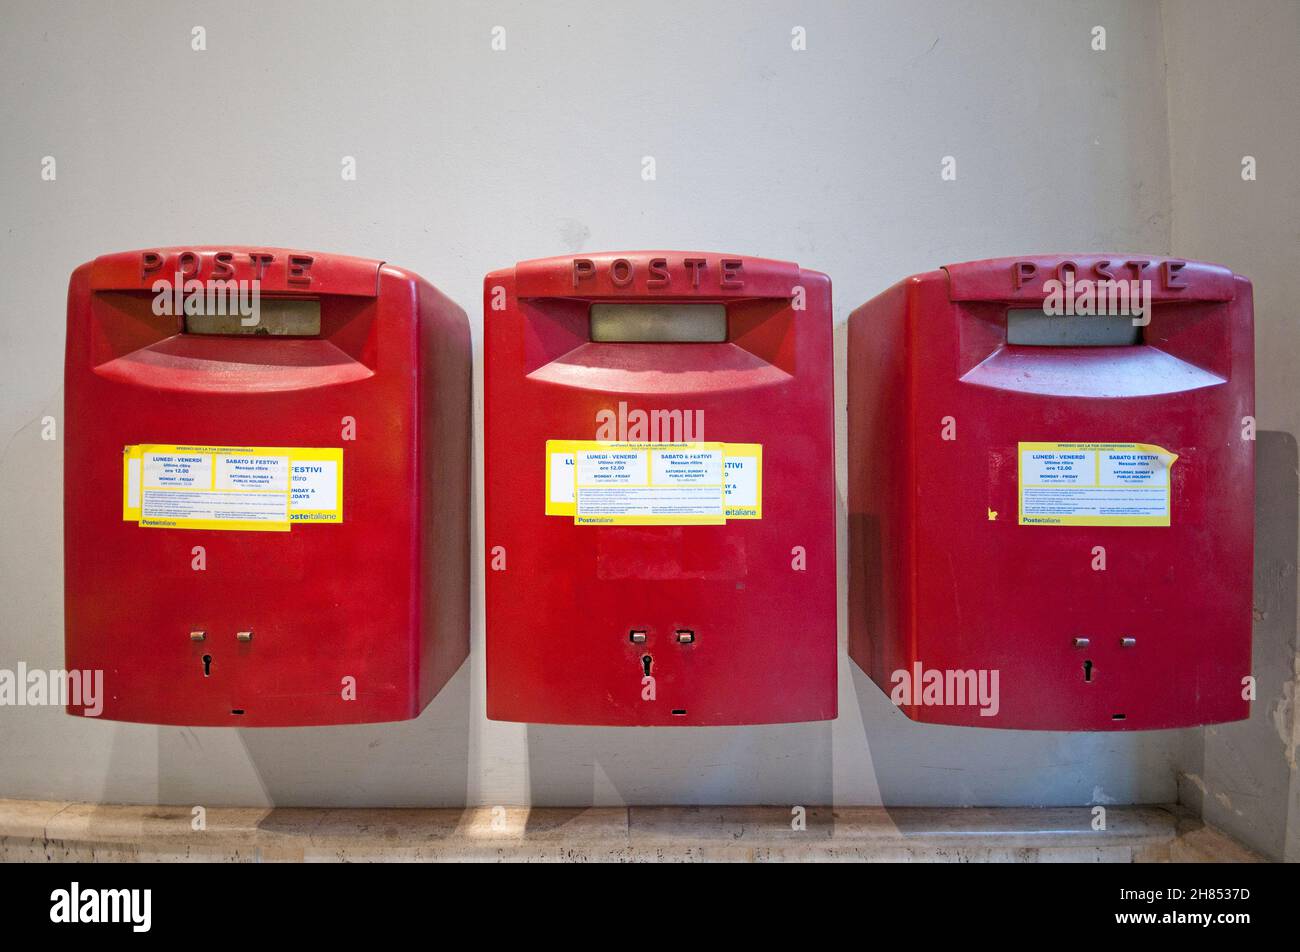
x: 650, y: 484
x: 561, y: 478
x: 315, y: 485
x: 742, y: 482
x: 1058, y: 469
x: 175, y: 471
x: 686, y: 468
x: 133, y: 482
x: 1134, y: 469
x: 166, y: 504
x: 253, y: 473
x: 611, y: 468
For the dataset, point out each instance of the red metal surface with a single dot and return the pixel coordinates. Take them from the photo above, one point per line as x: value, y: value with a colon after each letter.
x: 381, y: 597
x: 935, y: 579
x: 561, y: 609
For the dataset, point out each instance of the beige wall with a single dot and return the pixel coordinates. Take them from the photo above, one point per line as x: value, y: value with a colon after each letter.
x: 470, y: 159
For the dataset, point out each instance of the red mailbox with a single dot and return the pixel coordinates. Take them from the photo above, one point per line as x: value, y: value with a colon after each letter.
x: 659, y: 491
x: 265, y: 487
x: 1051, y: 483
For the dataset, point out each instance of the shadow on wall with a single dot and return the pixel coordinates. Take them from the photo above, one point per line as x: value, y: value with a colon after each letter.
x: 935, y: 765
x: 604, y: 766
x: 1242, y: 776
x: 418, y: 763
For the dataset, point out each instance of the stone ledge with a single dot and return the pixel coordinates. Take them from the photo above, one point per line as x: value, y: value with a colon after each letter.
x: 52, y: 831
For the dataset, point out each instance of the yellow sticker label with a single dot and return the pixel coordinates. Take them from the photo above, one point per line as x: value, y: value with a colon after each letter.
x: 131, y: 483
x: 1094, y: 484
x: 650, y: 484
x: 559, y: 478
x: 251, y: 488
x: 743, y: 466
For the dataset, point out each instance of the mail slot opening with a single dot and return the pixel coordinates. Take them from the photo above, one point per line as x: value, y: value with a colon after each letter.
x: 659, y: 323
x: 1031, y: 327
x: 268, y: 317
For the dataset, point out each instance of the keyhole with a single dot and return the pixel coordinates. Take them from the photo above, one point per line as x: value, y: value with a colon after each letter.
x: 646, y: 661
x: 207, y: 665
x: 1087, y: 671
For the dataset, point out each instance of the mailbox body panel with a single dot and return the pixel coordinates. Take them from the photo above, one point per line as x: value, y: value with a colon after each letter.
x: 941, y: 573
x: 381, y: 598
x: 563, y: 598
